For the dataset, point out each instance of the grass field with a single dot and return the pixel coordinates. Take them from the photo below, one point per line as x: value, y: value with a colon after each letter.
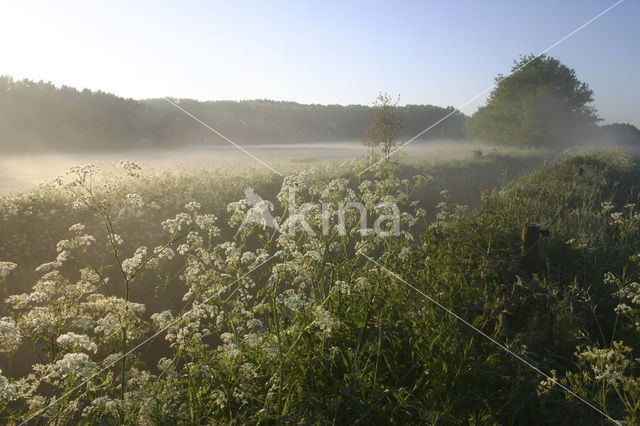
x: 223, y: 323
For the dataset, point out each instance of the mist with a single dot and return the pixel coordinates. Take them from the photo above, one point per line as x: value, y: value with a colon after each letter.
x: 21, y: 172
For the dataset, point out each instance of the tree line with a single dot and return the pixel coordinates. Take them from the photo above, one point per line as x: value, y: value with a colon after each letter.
x: 41, y: 116
x: 541, y: 103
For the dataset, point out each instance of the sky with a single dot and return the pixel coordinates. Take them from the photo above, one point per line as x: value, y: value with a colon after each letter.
x: 330, y: 52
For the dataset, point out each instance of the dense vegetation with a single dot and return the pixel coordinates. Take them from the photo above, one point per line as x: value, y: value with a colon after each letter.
x: 41, y: 116
x: 259, y: 326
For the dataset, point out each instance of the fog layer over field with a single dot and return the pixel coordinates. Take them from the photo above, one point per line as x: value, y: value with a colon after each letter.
x: 22, y: 172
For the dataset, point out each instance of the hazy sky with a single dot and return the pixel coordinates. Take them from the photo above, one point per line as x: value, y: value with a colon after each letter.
x: 345, y: 52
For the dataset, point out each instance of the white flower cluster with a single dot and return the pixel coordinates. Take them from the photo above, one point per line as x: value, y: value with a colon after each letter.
x: 78, y: 227
x: 72, y: 339
x: 207, y: 222
x: 608, y: 364
x: 41, y: 320
x: 117, y: 239
x: 7, y: 390
x: 607, y: 206
x: 292, y: 300
x: 630, y: 292
x: 254, y: 324
x: 134, y: 201
x: 10, y: 337
x: 77, y: 364
x: 82, y: 202
x: 324, y: 321
x: 22, y: 301
x: 608, y: 374
x: 342, y: 287
x: 84, y: 171
x: 6, y: 268
x: 130, y: 266
x: 193, y: 206
x: 162, y: 319
x: 548, y: 384
x: 103, y: 405
x: 180, y: 222
x: 80, y: 243
x: 164, y: 253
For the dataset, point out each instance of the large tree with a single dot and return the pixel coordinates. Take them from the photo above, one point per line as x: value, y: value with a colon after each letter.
x: 541, y: 103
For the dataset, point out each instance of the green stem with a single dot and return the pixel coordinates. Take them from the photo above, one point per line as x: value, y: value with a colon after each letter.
x: 123, y: 378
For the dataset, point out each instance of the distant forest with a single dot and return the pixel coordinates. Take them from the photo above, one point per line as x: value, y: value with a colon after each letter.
x: 37, y: 116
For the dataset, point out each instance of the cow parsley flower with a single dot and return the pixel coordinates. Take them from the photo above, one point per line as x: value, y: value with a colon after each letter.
x: 78, y: 227
x: 207, y: 223
x: 131, y: 265
x: 248, y: 370
x: 6, y: 268
x: 548, y: 384
x: 254, y: 324
x: 82, y: 202
x: 40, y: 320
x: 84, y: 323
x: 181, y: 221
x: 103, y: 405
x: 227, y: 338
x: 63, y: 245
x: 72, y: 339
x: 193, y: 206
x: 84, y: 241
x: 63, y: 256
x: 323, y: 321
x: 108, y: 325
x: 7, y: 390
x: 78, y: 364
x: 89, y: 275
x: 314, y: 255
x: 292, y: 300
x: 10, y: 337
x: 623, y: 308
x: 164, y: 253
x: 248, y: 257
x: 134, y: 201
x: 606, y: 206
x: 48, y: 267
x: 162, y: 319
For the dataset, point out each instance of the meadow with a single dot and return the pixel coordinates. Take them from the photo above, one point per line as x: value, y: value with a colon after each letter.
x: 139, y: 297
